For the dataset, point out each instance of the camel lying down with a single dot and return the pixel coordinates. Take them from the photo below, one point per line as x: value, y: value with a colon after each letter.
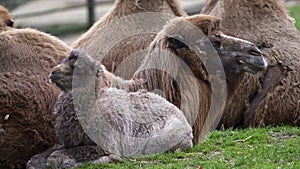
x: 100, y: 123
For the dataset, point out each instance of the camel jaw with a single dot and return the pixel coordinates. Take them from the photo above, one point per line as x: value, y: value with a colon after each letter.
x: 252, y: 64
x: 241, y: 54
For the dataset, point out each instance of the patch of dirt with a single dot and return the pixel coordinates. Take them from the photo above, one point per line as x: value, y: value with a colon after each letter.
x: 283, y: 136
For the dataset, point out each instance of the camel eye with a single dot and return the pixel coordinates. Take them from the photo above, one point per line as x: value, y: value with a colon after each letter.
x: 55, y: 72
x: 9, y: 22
x: 217, y: 35
x: 215, y: 40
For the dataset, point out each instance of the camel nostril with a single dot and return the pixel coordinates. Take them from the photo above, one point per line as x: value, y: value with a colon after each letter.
x: 255, y: 52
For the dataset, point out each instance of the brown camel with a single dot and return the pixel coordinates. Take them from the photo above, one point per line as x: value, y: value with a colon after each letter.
x: 273, y: 98
x: 26, y: 97
x: 124, y: 33
x: 167, y: 73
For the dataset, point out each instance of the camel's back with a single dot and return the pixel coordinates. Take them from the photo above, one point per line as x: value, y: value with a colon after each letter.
x: 140, y: 123
x: 30, y: 50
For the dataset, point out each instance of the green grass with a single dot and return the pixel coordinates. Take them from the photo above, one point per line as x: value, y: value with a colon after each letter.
x: 295, y: 13
x: 277, y: 147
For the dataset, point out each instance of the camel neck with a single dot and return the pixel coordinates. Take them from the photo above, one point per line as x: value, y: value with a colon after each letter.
x: 233, y: 81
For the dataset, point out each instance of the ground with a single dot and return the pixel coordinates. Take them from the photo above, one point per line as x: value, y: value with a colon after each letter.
x: 276, y: 147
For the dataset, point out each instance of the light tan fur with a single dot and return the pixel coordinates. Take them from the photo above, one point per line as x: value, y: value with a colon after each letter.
x: 6, y: 20
x: 30, y: 50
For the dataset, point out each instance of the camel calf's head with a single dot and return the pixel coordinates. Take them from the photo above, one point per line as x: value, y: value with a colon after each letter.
x: 79, y: 63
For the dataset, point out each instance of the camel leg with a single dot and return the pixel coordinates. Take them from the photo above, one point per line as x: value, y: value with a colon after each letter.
x: 74, y: 156
x: 175, y: 136
x: 39, y: 161
x: 108, y: 159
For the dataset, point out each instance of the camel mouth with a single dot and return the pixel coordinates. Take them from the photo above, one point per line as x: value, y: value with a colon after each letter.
x: 55, y: 78
x: 61, y: 81
x: 253, y: 64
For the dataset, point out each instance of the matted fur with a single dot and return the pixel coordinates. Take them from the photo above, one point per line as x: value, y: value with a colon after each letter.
x: 164, y: 123
x: 128, y: 47
x: 6, y: 19
x: 163, y: 128
x: 274, y: 97
x: 27, y: 97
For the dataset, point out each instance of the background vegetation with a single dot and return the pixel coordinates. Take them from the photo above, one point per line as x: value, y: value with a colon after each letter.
x: 12, y: 4
x: 295, y: 12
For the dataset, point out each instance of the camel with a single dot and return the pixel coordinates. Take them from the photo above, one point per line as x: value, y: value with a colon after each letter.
x: 128, y: 123
x: 121, y: 37
x: 26, y: 97
x: 6, y: 19
x: 272, y: 98
x: 168, y: 74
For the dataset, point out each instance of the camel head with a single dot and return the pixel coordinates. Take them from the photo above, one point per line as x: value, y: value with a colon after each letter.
x: 78, y: 62
x: 6, y: 19
x: 237, y: 55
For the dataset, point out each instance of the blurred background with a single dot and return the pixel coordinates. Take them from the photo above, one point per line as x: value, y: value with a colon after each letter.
x: 68, y: 19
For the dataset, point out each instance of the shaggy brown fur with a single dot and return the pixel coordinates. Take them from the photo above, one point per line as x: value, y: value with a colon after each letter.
x: 274, y: 97
x: 101, y: 34
x: 156, y: 124
x: 30, y: 50
x: 27, y: 98
x: 6, y: 20
x: 25, y: 124
x: 229, y: 49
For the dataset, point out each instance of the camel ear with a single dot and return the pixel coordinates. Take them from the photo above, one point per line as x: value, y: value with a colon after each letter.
x: 175, y: 42
x: 10, y: 22
x: 209, y: 25
x: 100, y: 69
x: 73, y: 56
